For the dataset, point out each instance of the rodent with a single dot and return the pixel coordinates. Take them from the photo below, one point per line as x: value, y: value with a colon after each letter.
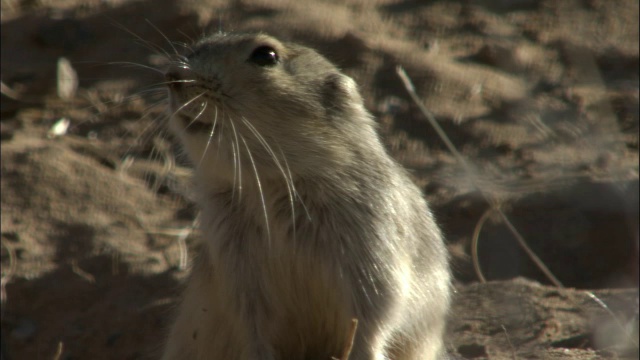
x: 306, y: 221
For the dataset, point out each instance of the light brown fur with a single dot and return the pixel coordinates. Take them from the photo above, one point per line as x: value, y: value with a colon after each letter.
x: 306, y: 221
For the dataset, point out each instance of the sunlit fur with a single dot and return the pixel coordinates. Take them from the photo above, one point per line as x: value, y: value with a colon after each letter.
x: 306, y: 221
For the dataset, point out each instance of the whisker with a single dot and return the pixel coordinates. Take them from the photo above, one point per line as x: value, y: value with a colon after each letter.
x: 187, y: 103
x: 96, y: 102
x: 213, y: 127
x: 147, y: 67
x: 295, y: 192
x: 149, y: 45
x: 288, y: 181
x: 149, y: 89
x: 264, y: 204
x: 203, y: 106
x: 147, y: 112
x: 164, y: 36
x: 184, y: 45
x: 176, y: 82
x: 144, y: 131
x: 237, y: 161
x: 191, y: 41
x: 220, y: 131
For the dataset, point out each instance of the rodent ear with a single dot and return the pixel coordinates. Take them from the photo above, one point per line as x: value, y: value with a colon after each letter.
x: 341, y: 84
x: 338, y: 91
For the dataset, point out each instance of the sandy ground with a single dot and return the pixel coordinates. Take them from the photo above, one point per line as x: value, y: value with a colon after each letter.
x: 540, y: 97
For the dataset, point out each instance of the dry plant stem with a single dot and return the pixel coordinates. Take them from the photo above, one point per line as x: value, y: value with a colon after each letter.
x: 513, y: 350
x: 346, y: 352
x: 83, y: 274
x: 474, y: 244
x: 8, y: 92
x: 494, y: 207
x: 523, y: 244
x: 59, y: 350
x: 471, y: 173
x: 12, y: 94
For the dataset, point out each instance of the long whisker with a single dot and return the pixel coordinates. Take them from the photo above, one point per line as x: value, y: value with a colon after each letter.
x: 215, y: 121
x: 191, y: 41
x: 175, y: 82
x: 154, y: 48
x: 295, y: 192
x: 237, y: 161
x: 147, y: 67
x: 164, y: 36
x: 97, y: 103
x: 220, y: 134
x: 150, y: 89
x: 213, y: 129
x: 288, y: 176
x: 187, y: 103
x: 287, y: 180
x: 147, y: 127
x: 264, y: 204
x: 266, y: 145
x: 195, y: 118
x: 184, y: 45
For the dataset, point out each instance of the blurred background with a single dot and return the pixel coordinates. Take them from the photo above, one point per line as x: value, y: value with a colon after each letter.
x: 540, y: 98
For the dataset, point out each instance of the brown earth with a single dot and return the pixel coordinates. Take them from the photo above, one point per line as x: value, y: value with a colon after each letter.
x: 540, y: 97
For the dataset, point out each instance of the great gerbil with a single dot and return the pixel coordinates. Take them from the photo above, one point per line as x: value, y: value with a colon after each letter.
x: 306, y: 221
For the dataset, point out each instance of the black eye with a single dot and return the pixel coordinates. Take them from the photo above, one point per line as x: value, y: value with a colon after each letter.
x: 264, y: 56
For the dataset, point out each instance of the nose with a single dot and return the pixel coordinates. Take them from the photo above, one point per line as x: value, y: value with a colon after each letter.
x: 178, y: 76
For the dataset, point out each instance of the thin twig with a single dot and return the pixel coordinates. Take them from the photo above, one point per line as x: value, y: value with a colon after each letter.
x: 523, y: 244
x: 474, y: 245
x: 83, y: 274
x: 346, y: 352
x: 59, y: 350
x: 492, y: 203
x: 513, y: 350
x: 7, y: 91
x: 472, y: 176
